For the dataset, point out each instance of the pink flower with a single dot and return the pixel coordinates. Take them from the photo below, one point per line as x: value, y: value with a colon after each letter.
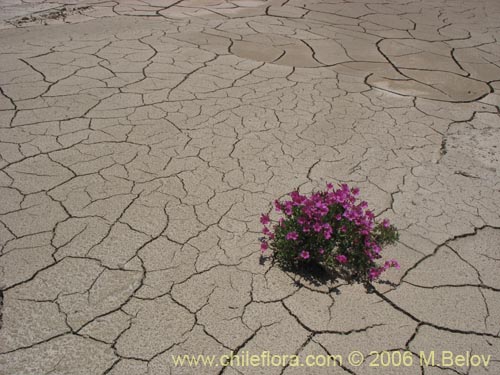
x: 264, y: 219
x: 342, y: 259
x: 277, y: 205
x: 375, y: 272
x: 292, y: 236
x: 329, y: 186
x: 304, y: 254
x: 323, y: 208
x: 321, y: 251
x: 392, y: 263
x: 355, y: 191
x: 386, y: 223
x: 297, y: 198
x: 328, y: 231
x: 317, y: 227
x: 263, y: 246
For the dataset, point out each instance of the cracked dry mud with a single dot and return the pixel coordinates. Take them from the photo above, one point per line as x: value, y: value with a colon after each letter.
x: 140, y: 141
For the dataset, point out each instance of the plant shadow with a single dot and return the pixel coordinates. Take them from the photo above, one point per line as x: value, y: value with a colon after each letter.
x: 312, y: 274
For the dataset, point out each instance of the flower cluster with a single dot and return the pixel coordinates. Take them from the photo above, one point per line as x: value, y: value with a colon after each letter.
x: 332, y: 228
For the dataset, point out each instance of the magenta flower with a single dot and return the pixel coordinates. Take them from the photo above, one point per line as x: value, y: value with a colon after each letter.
x: 277, y: 205
x: 304, y: 254
x: 342, y: 259
x: 375, y: 272
x: 297, y: 199
x: 386, y: 223
x: 292, y: 236
x: 317, y: 227
x: 320, y: 205
x: 392, y: 263
x: 321, y: 251
x: 264, y: 219
x: 263, y: 246
x: 327, y: 234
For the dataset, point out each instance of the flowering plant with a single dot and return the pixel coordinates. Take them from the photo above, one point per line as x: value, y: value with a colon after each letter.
x: 331, y: 228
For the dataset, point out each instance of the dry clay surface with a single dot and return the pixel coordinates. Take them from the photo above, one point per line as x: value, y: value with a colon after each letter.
x: 140, y: 141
